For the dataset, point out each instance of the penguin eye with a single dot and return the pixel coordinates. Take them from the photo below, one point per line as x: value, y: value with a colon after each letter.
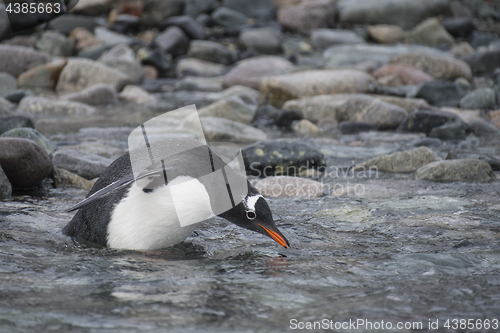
x: 251, y: 215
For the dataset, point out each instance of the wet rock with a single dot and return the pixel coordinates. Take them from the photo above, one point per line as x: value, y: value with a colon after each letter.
x: 137, y: 95
x: 264, y: 40
x: 250, y: 8
x: 484, y: 99
x: 80, y: 74
x: 194, y: 83
x: 155, y: 11
x: 405, y: 161
x: 64, y: 178
x: 88, y: 166
x: 240, y: 107
x: 281, y: 157
x: 441, y: 93
x: 194, y: 8
x: 31, y: 134
x: 5, y: 187
x: 8, y: 83
x: 67, y: 23
x: 43, y: 76
x: 289, y: 187
x: 429, y: 32
x: 228, y: 18
x: 284, y: 119
x: 307, y: 16
x: 189, y: 25
x: 460, y: 26
x: 425, y: 121
x: 98, y: 94
x: 250, y: 72
x: 404, y: 74
x: 122, y: 58
x: 156, y: 58
x: 385, y: 33
x: 481, y: 128
x: 9, y: 122
x: 210, y: 51
x: 319, y: 108
x: 39, y: 106
x: 404, y: 13
x: 371, y: 110
x: 24, y: 162
x: 55, y: 44
x: 173, y: 41
x: 484, y: 62
x: 305, y: 127
x: 453, y: 130
x: 278, y: 89
x: 462, y: 170
x: 355, y: 127
x: 224, y: 130
x: 197, y: 67
x: 91, y: 7
x: 440, y: 67
x: 428, y: 142
x: 18, y: 59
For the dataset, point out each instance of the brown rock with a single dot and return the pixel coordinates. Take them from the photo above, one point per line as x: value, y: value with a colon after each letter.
x: 251, y: 72
x: 406, y: 74
x: 42, y: 76
x: 440, y: 67
x: 495, y: 117
x: 308, y: 16
x: 150, y: 72
x: 24, y: 162
x: 64, y: 178
x: 385, y: 33
x: 276, y: 90
x: 84, y: 39
x: 18, y: 59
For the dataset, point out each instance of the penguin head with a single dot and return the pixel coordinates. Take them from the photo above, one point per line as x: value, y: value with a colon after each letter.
x: 253, y: 213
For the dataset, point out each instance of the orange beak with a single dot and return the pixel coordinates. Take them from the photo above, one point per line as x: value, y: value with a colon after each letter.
x: 277, y: 237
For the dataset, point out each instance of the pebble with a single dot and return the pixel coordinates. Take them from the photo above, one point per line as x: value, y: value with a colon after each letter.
x: 91, y: 7
x: 292, y: 46
x: 210, y: 51
x: 265, y: 40
x: 43, y: 76
x: 425, y: 121
x: 240, y: 107
x: 429, y: 32
x: 40, y: 106
x: 305, y: 17
x: 98, y: 94
x: 5, y: 187
x: 441, y: 93
x: 439, y: 67
x: 289, y: 187
x: 251, y: 72
x: 225, y: 130
x: 355, y: 127
x: 226, y: 17
x: 173, y: 40
x: 88, y: 166
x: 18, y: 59
x: 137, y: 95
x: 31, y: 134
x: 459, y: 26
x: 24, y: 162
x: 197, y: 67
x: 155, y: 11
x: 371, y: 110
x: 156, y: 58
x: 281, y: 157
x: 427, y: 142
x: 495, y: 117
x: 194, y: 83
x: 323, y: 38
x: 483, y: 99
x: 189, y: 25
x: 318, y: 108
x: 253, y: 8
x: 68, y: 22
x: 65, y: 178
x: 305, y: 127
x: 402, y: 73
x: 385, y: 33
x: 234, y: 90
x: 122, y: 58
x: 462, y: 170
x: 453, y: 130
x: 483, y: 62
x: 405, y: 161
x: 110, y: 37
x: 8, y: 83
x: 482, y: 128
x: 80, y: 74
x: 56, y: 44
x: 194, y: 8
x: 278, y: 89
x: 9, y: 122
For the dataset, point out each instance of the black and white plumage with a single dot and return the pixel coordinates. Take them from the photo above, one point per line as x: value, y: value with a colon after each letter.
x: 118, y: 213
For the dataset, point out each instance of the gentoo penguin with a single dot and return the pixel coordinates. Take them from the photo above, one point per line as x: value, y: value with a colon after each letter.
x: 121, y: 213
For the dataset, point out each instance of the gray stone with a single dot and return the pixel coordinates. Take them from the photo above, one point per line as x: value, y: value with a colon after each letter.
x: 8, y: 83
x: 173, y: 41
x: 91, y: 7
x: 110, y: 37
x: 194, y: 83
x: 429, y: 32
x: 484, y: 99
x: 80, y: 74
x: 43, y: 76
x: 98, y: 94
x: 481, y: 128
x: 64, y: 178
x: 224, y: 130
x: 228, y: 18
x: 455, y: 130
x: 189, y: 25
x: 253, y: 8
x: 290, y: 187
x: 438, y: 66
x: 67, y: 22
x: 404, y: 13
x: 240, y: 107
x: 293, y: 46
x: 31, y: 134
x: 155, y: 11
x: 385, y: 33
x: 210, y: 51
x: 122, y: 58
x: 355, y: 127
x: 462, y: 170
x: 264, y: 40
x: 305, y: 127
x: 319, y: 108
x: 56, y: 44
x: 483, y: 62
x: 39, y: 106
x: 197, y: 67
x: 194, y: 8
x: 459, y: 26
x: 88, y: 166
x: 18, y: 59
x: 9, y: 122
x: 281, y: 157
x: 427, y: 142
x: 305, y: 17
x: 24, y: 162
x: 324, y: 38
x: 5, y: 187
x: 137, y: 95
x: 405, y: 161
x: 440, y: 92
x: 425, y: 121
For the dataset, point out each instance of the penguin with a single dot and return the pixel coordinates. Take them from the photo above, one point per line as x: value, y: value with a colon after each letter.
x: 123, y: 211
